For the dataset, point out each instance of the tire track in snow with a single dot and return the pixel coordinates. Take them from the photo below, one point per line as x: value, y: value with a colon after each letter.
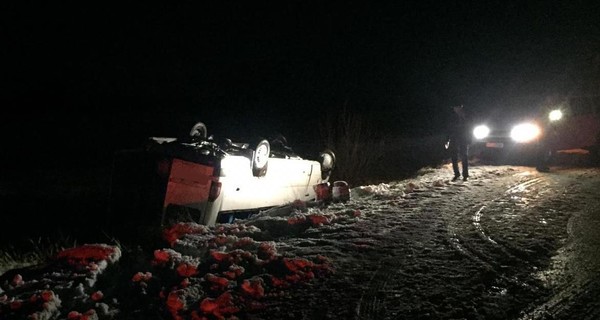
x: 521, y: 187
x: 419, y: 228
x: 370, y: 305
x: 577, y: 288
x: 463, y: 212
x: 456, y: 226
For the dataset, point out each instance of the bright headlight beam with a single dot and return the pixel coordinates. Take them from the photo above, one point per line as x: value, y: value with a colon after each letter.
x: 481, y: 131
x: 525, y: 132
x: 555, y: 115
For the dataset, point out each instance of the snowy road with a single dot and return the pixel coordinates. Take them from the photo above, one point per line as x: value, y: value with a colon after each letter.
x: 511, y: 243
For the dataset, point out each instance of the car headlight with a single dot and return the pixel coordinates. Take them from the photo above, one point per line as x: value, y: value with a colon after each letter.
x: 481, y: 131
x: 555, y: 115
x: 525, y: 132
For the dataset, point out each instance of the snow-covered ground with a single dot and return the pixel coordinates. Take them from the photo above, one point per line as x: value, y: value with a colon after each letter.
x: 510, y: 243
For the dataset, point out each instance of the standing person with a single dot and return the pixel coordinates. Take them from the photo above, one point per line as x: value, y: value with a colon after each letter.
x: 544, y: 153
x: 458, y: 140
x: 546, y: 143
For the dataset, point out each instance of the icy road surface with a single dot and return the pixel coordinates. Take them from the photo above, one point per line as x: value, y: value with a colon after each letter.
x: 510, y: 243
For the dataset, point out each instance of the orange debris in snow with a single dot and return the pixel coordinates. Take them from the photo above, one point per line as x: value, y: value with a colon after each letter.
x: 219, y: 283
x: 318, y: 219
x: 97, y: 296
x: 243, y: 242
x: 219, y: 256
x: 293, y: 278
x: 219, y: 307
x: 176, y: 231
x: 175, y: 303
x: 140, y: 276
x: 278, y: 283
x: 233, y: 272
x: 208, y: 305
x: 185, y: 283
x: 186, y: 270
x: 221, y: 240
x: 267, y: 250
x: 161, y: 256
x: 295, y: 265
x: 88, y: 253
x: 48, y: 295
x: 296, y: 220
x: 253, y: 288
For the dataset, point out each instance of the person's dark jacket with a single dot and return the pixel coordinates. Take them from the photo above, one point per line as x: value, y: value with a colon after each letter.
x: 459, y: 129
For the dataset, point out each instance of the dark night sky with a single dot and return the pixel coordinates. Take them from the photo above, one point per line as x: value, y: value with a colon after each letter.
x: 87, y: 78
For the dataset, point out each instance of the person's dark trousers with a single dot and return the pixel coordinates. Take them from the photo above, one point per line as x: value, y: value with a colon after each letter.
x: 544, y: 153
x: 460, y: 150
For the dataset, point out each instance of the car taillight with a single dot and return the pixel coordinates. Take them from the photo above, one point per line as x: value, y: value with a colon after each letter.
x: 323, y: 191
x: 215, y: 190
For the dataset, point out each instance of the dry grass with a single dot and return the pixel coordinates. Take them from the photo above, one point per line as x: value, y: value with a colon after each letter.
x: 32, y: 252
x: 356, y: 143
x: 365, y: 155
